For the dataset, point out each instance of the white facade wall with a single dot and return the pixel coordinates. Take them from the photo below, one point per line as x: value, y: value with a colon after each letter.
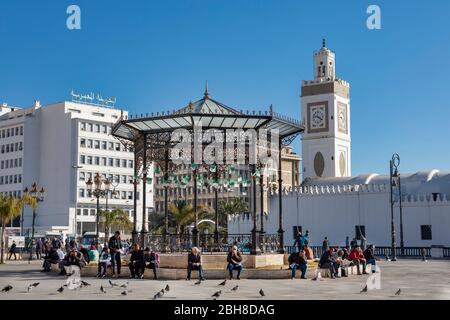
x: 334, y: 212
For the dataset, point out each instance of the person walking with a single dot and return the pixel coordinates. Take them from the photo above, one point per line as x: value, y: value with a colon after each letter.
x: 39, y: 249
x: 115, y: 245
x: 12, y: 251
x: 298, y: 241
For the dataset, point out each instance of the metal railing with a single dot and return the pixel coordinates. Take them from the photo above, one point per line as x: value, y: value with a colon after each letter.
x: 407, y: 252
x: 446, y: 252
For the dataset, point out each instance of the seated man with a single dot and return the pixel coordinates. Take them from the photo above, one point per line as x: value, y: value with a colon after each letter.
x: 234, y: 262
x: 195, y: 263
x: 136, y: 261
x: 370, y: 258
x: 356, y: 256
x: 326, y: 262
x: 85, y: 253
x: 50, y: 258
x: 297, y: 260
x: 73, y: 258
x: 104, y: 262
x: 151, y: 261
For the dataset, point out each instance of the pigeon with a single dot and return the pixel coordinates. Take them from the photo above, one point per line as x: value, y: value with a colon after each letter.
x: 158, y: 295
x: 102, y: 289
x: 223, y: 283
x: 364, y: 289
x: 60, y: 290
x: 31, y: 286
x: 167, y: 288
x: 7, y: 288
x: 84, y: 283
x: 125, y: 285
x: 124, y: 293
x: 199, y: 282
x: 398, y: 292
x: 162, y: 292
x: 217, y: 294
x: 235, y: 288
x: 113, y: 284
x: 261, y: 292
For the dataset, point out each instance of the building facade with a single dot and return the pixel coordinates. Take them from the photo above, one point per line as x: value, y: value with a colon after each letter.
x: 61, y: 146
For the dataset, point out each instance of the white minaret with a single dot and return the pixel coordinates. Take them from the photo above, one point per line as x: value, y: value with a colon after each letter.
x: 325, y: 104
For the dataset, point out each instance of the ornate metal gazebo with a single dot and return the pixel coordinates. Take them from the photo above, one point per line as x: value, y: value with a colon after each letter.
x: 153, y: 138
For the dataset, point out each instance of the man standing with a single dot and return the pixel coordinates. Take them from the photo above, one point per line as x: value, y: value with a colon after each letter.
x: 115, y: 245
x: 12, y: 251
x: 38, y: 249
x: 325, y: 244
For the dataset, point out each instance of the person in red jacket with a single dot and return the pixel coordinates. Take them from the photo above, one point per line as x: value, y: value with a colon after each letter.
x: 357, y: 257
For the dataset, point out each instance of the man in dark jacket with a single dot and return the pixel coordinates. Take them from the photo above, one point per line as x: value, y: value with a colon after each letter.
x: 370, y: 258
x: 115, y: 245
x: 151, y: 261
x: 136, y: 261
x: 195, y: 263
x: 51, y: 257
x: 12, y: 251
x: 297, y: 260
x: 326, y: 262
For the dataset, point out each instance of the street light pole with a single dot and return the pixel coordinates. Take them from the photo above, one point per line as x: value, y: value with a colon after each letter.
x: 37, y: 194
x: 393, y: 174
x: 97, y: 192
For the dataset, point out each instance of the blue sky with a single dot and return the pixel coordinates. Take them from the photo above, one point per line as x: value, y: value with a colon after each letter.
x: 156, y: 55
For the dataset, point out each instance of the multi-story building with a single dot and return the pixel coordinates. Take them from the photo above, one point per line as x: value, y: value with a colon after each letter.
x: 61, y: 146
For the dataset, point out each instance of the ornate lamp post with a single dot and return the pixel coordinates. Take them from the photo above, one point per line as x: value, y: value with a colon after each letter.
x: 95, y: 189
x: 38, y: 194
x: 394, y: 177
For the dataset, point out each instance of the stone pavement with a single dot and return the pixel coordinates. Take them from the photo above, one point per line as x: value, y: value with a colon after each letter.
x: 416, y: 279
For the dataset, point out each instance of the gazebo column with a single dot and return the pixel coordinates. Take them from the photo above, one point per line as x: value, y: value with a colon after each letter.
x: 280, y: 202
x: 134, y: 233
x: 144, y: 191
x: 216, y: 210
x: 195, y: 239
x: 261, y: 191
x: 255, y: 243
x: 166, y: 204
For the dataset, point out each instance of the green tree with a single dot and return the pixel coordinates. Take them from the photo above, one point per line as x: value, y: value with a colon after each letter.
x: 234, y: 206
x: 10, y: 208
x: 116, y: 217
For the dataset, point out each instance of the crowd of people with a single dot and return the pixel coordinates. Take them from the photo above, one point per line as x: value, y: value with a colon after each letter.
x: 109, y: 256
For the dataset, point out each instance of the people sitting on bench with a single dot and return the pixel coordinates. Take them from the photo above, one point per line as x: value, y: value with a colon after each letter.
x: 327, y: 262
x: 73, y: 258
x: 50, y: 258
x: 136, y: 261
x: 308, y: 252
x: 297, y: 260
x: 356, y: 256
x: 151, y: 261
x: 234, y: 260
x: 370, y: 258
x: 84, y: 252
x: 195, y: 263
x: 104, y: 262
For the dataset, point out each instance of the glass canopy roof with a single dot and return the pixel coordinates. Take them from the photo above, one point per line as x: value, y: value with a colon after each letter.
x: 209, y: 114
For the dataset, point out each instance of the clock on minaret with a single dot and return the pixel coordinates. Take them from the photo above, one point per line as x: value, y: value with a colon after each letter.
x: 325, y: 103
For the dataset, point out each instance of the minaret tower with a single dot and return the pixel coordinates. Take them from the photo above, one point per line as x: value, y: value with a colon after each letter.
x: 325, y: 109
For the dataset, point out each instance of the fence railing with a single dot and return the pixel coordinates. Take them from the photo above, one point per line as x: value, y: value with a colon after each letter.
x: 446, y: 252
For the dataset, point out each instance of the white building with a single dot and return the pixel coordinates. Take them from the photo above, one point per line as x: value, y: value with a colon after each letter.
x: 331, y: 203
x: 61, y: 146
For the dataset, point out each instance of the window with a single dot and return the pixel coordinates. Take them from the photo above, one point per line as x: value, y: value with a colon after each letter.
x: 82, y: 159
x: 296, y: 230
x: 360, y: 231
x: 21, y: 130
x: 92, y: 212
x: 15, y: 178
x: 97, y: 161
x: 7, y: 133
x: 3, y: 133
x: 16, y: 161
x: 117, y: 146
x: 7, y: 148
x: 16, y: 146
x: 81, y: 193
x: 12, y: 132
x: 83, y: 126
x: 20, y: 146
x: 17, y: 131
x: 111, y: 162
x: 1, y: 180
x: 90, y: 126
x: 124, y: 195
x: 2, y: 164
x: 111, y: 146
x: 20, y: 178
x: 89, y: 143
x: 20, y: 162
x: 83, y: 143
x: 82, y: 176
x: 11, y: 164
x: 103, y: 163
x: 130, y: 195
x: 104, y: 129
x: 85, y: 212
x: 124, y: 163
x: 78, y: 212
x: 89, y: 175
x: 89, y: 159
x: 124, y: 179
x: 118, y: 163
x: 130, y: 163
x: 3, y: 148
x: 97, y: 128
x: 104, y: 145
x: 6, y: 164
x: 116, y: 178
x: 425, y: 232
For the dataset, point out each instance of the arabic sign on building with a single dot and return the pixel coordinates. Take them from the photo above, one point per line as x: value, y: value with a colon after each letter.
x: 94, y: 99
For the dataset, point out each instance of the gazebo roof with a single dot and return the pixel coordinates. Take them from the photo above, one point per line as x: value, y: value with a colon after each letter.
x: 208, y: 113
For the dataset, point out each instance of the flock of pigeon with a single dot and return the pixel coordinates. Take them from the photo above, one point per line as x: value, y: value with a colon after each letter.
x: 158, y: 295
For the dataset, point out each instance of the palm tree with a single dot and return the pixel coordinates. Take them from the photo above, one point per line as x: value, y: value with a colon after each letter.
x: 182, y: 214
x: 10, y: 208
x: 235, y: 206
x: 116, y: 217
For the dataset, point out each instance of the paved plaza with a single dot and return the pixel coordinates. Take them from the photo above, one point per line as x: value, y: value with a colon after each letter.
x: 416, y: 279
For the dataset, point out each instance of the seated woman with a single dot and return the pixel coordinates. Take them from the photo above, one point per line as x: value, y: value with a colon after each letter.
x: 151, y: 261
x: 104, y: 262
x: 297, y: 260
x: 136, y: 261
x: 195, y: 263
x: 234, y: 262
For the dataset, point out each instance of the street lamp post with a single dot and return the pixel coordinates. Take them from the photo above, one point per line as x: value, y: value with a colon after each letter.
x: 38, y: 194
x: 394, y: 175
x: 97, y: 192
